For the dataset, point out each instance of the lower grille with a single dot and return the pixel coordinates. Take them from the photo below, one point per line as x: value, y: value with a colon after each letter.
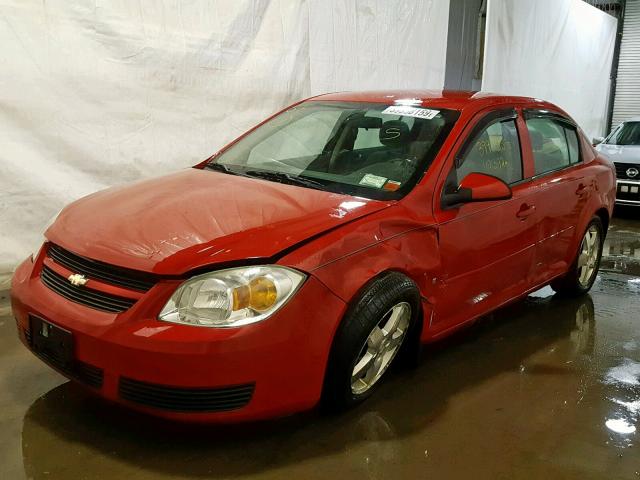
x: 179, y: 399
x: 85, y: 296
x: 88, y: 374
x: 628, y: 191
x: 82, y: 372
x: 24, y: 333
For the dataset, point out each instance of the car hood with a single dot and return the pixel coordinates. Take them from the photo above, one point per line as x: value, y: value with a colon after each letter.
x: 170, y: 225
x: 621, y: 153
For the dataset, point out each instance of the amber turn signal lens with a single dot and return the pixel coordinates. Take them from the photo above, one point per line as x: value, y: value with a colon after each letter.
x: 260, y: 294
x: 241, y: 297
x: 263, y: 293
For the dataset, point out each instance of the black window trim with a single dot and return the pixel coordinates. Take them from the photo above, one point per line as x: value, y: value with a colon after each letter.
x: 530, y: 113
x: 494, y: 116
x: 499, y: 115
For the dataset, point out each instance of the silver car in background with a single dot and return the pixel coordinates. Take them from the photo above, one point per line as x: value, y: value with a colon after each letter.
x: 622, y: 147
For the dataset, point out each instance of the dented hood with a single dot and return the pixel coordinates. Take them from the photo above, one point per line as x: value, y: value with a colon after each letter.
x: 173, y: 224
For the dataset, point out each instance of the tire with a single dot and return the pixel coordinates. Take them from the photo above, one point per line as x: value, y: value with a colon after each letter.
x: 369, y: 337
x: 577, y: 281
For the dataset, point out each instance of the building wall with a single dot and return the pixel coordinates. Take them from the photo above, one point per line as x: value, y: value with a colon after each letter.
x: 627, y: 97
x: 462, y: 45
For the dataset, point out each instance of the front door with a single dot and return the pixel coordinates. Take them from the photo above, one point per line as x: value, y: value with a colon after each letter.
x: 486, y: 248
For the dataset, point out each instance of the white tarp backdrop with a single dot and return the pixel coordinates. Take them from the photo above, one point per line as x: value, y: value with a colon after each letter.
x: 95, y: 93
x: 557, y: 50
x: 376, y: 44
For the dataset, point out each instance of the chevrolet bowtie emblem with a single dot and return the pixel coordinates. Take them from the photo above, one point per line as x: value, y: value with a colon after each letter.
x: 77, y: 280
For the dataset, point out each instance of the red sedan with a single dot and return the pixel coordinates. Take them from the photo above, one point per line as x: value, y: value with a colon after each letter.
x: 297, y: 264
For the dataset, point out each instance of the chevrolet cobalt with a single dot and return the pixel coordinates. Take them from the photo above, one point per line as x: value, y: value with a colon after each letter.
x: 296, y: 265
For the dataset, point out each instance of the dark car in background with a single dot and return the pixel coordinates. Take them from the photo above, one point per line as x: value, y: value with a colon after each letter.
x: 622, y: 147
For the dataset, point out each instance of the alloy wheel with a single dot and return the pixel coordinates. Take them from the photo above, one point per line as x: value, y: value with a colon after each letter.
x: 588, y: 258
x: 380, y: 348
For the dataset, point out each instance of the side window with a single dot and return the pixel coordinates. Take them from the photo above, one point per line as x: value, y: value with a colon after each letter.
x: 554, y: 144
x: 574, y: 146
x: 495, y: 151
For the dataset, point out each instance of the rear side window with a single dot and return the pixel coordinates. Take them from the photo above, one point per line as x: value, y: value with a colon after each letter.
x: 494, y: 151
x: 572, y: 141
x: 554, y: 144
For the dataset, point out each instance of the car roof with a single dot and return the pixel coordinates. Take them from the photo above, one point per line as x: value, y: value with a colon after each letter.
x: 452, y: 99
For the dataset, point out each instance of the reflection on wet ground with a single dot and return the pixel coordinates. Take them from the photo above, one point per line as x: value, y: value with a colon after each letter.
x: 545, y: 387
x: 621, y: 251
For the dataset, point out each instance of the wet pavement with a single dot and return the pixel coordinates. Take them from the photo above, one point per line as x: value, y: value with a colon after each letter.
x: 546, y: 387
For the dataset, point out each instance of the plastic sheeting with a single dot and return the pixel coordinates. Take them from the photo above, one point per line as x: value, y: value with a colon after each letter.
x: 377, y: 44
x: 557, y: 50
x: 97, y: 93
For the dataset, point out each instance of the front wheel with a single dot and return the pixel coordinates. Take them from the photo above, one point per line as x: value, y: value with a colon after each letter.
x: 381, y: 326
x: 580, y: 277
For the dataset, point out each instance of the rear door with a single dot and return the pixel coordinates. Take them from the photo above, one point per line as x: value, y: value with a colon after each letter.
x: 561, y: 189
x: 486, y: 248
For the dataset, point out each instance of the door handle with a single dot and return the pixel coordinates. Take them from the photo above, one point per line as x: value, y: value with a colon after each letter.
x: 525, y: 211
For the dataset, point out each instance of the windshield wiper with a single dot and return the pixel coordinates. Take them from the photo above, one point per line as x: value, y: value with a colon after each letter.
x: 279, y: 177
x: 218, y: 167
x: 285, y: 178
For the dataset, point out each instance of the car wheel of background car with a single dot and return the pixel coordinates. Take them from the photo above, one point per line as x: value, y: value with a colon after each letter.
x: 584, y: 270
x: 382, y: 325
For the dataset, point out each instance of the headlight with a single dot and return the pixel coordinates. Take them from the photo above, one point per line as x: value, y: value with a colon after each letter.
x: 233, y: 297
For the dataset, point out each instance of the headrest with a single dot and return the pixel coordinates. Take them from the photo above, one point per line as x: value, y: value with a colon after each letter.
x: 537, y: 140
x: 394, y: 133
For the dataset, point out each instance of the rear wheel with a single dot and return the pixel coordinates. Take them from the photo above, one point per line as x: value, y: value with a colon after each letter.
x: 584, y: 270
x: 379, y: 328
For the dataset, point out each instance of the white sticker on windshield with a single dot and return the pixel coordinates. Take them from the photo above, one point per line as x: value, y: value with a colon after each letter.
x: 371, y: 180
x: 407, y: 111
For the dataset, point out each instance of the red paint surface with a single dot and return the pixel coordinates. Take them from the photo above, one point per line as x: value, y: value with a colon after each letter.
x: 466, y: 260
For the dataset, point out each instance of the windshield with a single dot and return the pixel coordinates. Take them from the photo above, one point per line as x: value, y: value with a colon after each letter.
x: 626, y: 134
x: 364, y: 149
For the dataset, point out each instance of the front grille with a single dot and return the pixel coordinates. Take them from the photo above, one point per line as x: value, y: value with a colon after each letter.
x: 84, y: 296
x: 180, y: 399
x: 82, y: 372
x: 621, y: 171
x: 122, y: 277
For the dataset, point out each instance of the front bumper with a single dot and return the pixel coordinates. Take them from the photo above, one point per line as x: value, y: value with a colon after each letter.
x: 628, y: 192
x: 132, y: 357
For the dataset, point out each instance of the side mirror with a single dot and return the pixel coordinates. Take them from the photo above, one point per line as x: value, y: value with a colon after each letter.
x: 597, y: 141
x: 477, y: 187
